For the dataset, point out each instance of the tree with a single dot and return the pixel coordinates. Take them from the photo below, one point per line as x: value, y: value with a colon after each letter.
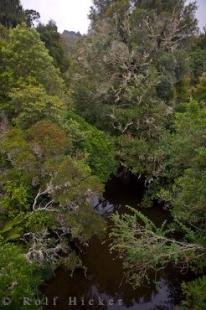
x: 4, y: 78
x: 50, y: 183
x: 30, y: 103
x: 37, y: 66
x: 46, y: 183
x: 52, y: 39
x: 200, y: 90
x: 11, y: 13
x: 198, y: 56
x: 130, y: 72
x: 185, y: 164
x: 29, y: 88
x: 31, y: 17
x: 146, y: 248
x: 18, y: 278
x: 95, y: 146
x: 195, y: 294
x: 69, y: 41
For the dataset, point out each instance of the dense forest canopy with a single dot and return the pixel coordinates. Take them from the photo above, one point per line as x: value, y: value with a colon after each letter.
x: 131, y: 93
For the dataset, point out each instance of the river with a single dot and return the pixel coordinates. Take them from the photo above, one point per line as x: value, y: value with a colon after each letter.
x: 104, y: 286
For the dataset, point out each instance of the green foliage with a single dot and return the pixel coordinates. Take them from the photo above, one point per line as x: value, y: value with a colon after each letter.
x: 200, y: 90
x: 16, y: 196
x: 129, y: 77
x: 131, y: 70
x: 31, y: 16
x: 53, y: 191
x: 180, y: 162
x: 71, y: 181
x: 38, y: 221
x: 47, y: 139
x: 26, y: 58
x: 18, y: 278
x: 195, y: 294
x: 69, y: 40
x: 85, y: 223
x: 11, y: 13
x: 52, y: 39
x: 198, y: 63
x: 141, y: 156
x: 98, y: 147
x: 190, y: 196
x: 184, y: 151
x: 72, y: 262
x: 30, y: 104
x: 17, y: 152
x: 146, y: 249
x: 14, y: 228
x: 39, y: 156
x: 198, y: 56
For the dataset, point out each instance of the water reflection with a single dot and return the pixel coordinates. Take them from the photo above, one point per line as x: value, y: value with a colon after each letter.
x: 105, y: 286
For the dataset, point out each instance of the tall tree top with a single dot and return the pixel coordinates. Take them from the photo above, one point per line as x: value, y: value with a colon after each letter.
x: 11, y: 13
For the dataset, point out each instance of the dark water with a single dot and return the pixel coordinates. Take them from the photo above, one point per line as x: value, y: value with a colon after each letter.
x: 104, y: 285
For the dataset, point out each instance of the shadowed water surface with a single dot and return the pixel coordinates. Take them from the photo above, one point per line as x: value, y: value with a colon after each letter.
x: 104, y: 285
